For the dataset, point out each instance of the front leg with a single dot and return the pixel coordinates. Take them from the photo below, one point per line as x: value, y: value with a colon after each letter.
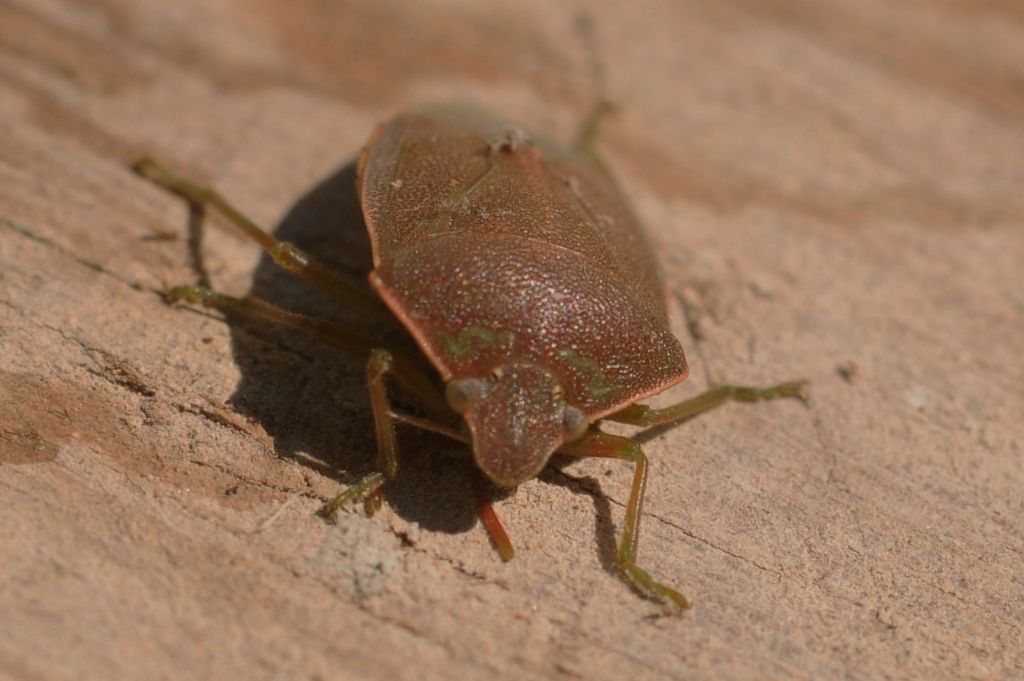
x: 381, y: 365
x: 598, y: 444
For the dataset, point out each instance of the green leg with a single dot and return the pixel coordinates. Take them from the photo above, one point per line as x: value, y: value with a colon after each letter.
x: 367, y: 489
x: 642, y: 415
x: 323, y: 330
x: 413, y: 380
x: 380, y: 364
x: 598, y: 444
x: 287, y: 255
x: 408, y: 374
x: 256, y: 308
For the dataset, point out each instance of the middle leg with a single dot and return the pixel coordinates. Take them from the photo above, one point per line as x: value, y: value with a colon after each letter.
x: 381, y: 362
x: 409, y: 374
x: 381, y: 365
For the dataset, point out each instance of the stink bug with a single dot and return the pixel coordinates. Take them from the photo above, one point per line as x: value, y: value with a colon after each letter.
x: 530, y: 293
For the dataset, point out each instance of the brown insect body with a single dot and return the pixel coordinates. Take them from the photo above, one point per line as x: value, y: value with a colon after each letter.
x: 521, y: 266
x: 523, y: 277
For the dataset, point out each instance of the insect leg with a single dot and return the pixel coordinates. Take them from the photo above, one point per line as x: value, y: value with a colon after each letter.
x: 642, y: 415
x: 379, y: 365
x: 598, y: 444
x: 411, y: 378
x: 484, y: 507
x: 256, y: 308
x: 285, y: 254
x: 382, y: 365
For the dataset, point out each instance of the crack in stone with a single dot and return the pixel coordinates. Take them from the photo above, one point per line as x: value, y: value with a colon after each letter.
x: 94, y: 266
x: 219, y: 416
x: 708, y: 542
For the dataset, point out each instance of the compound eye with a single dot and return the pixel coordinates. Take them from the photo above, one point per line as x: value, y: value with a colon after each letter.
x: 461, y: 393
x: 574, y: 423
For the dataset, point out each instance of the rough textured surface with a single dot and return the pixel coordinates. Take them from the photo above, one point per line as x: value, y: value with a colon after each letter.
x: 834, y: 191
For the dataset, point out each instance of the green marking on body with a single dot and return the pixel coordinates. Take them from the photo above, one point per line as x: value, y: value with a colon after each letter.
x: 598, y: 385
x: 473, y: 337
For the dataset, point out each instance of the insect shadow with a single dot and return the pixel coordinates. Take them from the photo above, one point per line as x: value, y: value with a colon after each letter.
x: 311, y: 398
x: 586, y: 485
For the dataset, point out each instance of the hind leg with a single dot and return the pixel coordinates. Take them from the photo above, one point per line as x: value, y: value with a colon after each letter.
x: 285, y: 254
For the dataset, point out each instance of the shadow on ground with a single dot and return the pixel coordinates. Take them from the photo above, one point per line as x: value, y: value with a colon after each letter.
x: 311, y: 399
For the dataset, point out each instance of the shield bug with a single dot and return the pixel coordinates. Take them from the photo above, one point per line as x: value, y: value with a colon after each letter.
x: 531, y: 295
